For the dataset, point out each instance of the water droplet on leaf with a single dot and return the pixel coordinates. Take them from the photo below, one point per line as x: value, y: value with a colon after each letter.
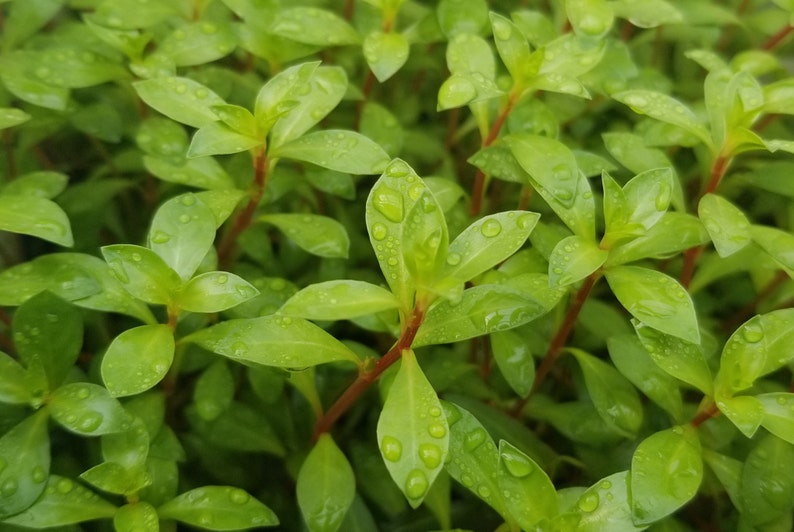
x: 391, y: 448
x: 416, y: 484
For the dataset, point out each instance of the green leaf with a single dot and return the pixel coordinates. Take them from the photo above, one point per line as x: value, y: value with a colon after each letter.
x: 198, y: 43
x: 311, y: 25
x: 555, y: 175
x: 221, y: 202
x: 69, y: 67
x: 655, y: 299
x: 648, y: 196
x: 646, y: 13
x: 182, y: 232
x: 277, y: 97
x: 15, y: 383
x: 605, y: 505
x: 336, y: 149
x: 472, y: 66
x: 614, y: 397
x: 728, y: 227
x: 381, y: 126
x: 760, y: 346
x: 745, y: 411
x: 680, y: 358
x: 512, y: 47
x: 278, y: 341
x: 778, y: 414
x: 47, y: 272
x: 455, y: 18
x: 674, y: 233
x: 201, y: 172
x: 521, y: 480
x: 778, y: 243
x: 34, y: 216
x: 573, y: 259
x: 142, y: 273
x: 115, y: 478
x: 43, y: 184
x: 88, y: 409
x: 214, y: 292
x: 666, y: 109
x: 130, y: 448
x: 23, y: 19
x: 17, y: 72
x: 217, y: 138
x: 512, y: 354
x: 25, y: 457
x: 634, y: 363
x: 214, y: 390
x: 137, y: 359
x: 488, y: 308
x: 319, y: 235
x: 64, y: 502
x: 130, y: 14
x: 413, y: 434
x: 385, y: 53
x: 590, y: 18
x: 10, y: 117
x: 631, y: 151
x: 135, y: 517
x: 728, y: 471
x: 767, y: 490
x: 338, y: 300
x: 326, y: 486
x: 181, y: 99
x: 218, y: 508
x: 666, y: 471
x: 241, y: 428
x: 486, y: 243
x: 48, y: 331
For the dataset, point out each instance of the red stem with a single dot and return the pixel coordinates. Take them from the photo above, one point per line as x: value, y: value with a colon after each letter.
x: 777, y: 38
x: 367, y: 377
x: 244, y: 218
x: 705, y: 414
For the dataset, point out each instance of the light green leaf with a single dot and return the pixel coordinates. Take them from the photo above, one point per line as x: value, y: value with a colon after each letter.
x: 338, y: 300
x: 181, y: 99
x: 25, y: 455
x: 142, y: 273
x: 728, y: 227
x: 182, y: 232
x: 23, y: 19
x: 17, y: 71
x: 16, y: 386
x: 201, y: 172
x: 68, y: 67
x: 311, y: 25
x: 326, y: 486
x: 319, y: 235
x: 513, y: 49
x: 614, y: 397
x: 728, y: 471
x: 778, y: 414
x: 631, y: 151
x: 498, y: 161
x: 646, y: 13
x: 744, y: 411
x: 197, y: 43
x: 655, y: 299
x: 456, y: 18
x: 573, y: 259
x: 214, y: 292
x: 605, y: 505
x: 10, y: 117
x: 277, y: 97
x: 217, y: 138
x: 674, y: 233
x: 34, y: 216
x: 680, y: 358
x: 137, y: 359
x: 648, y: 196
x: 524, y: 480
x: 486, y: 243
x: 666, y: 471
x: 666, y: 109
x: 385, y: 53
x: 767, y: 488
x: 512, y: 354
x: 413, y: 434
x: 42, y: 184
x: 47, y: 272
x: 555, y: 175
x: 590, y: 18
x: 64, y: 502
x: 218, y: 508
x: 221, y: 202
x: 130, y: 448
x: 778, y: 243
x: 136, y: 517
x: 88, y: 409
x: 336, y: 149
x: 456, y: 91
x: 278, y: 341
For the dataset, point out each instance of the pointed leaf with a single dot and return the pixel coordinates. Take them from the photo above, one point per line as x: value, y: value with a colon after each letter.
x: 88, y: 409
x: 25, y: 457
x: 674, y: 233
x: 218, y: 508
x: 278, y: 341
x: 135, y: 517
x: 338, y: 300
x: 573, y: 259
x: 778, y: 243
x: 311, y: 25
x: 778, y: 414
x: 590, y: 18
x: 744, y: 411
x: 647, y: 13
x: 524, y: 480
x: 648, y: 196
x: 277, y: 96
x: 216, y: 138
x: 10, y: 117
x: 513, y: 48
x: 665, y: 108
x: 214, y: 292
x: 385, y: 53
x: 181, y: 99
x: 326, y: 486
x: 137, y: 359
x: 413, y: 434
x: 319, y: 235
x: 142, y: 272
x: 767, y: 490
x: 728, y: 227
x: 336, y: 149
x: 34, y: 216
x: 512, y: 354
x: 202, y: 172
x: 605, y: 505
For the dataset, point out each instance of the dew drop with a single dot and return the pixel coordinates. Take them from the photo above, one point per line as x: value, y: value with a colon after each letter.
x: 526, y: 220
x: 663, y: 197
x: 430, y: 454
x: 398, y: 169
x: 491, y: 227
x: 501, y: 29
x: 184, y: 218
x: 9, y: 487
x: 416, y: 484
x: 434, y: 411
x: 239, y: 349
x: 453, y: 259
x: 437, y: 430
x: 605, y: 485
x: 238, y: 496
x: 391, y: 448
x: 474, y: 439
x: 752, y: 333
x: 188, y: 200
x: 181, y: 88
x: 389, y: 203
x: 466, y: 480
x: 516, y: 464
x: 64, y: 486
x: 781, y: 400
x: 38, y: 475
x: 483, y: 491
x: 160, y: 237
x: 589, y: 502
x: 222, y: 279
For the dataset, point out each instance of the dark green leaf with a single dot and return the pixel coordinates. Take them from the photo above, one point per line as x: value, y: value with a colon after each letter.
x: 218, y: 508
x: 767, y: 490
x: 336, y: 149
x: 326, y: 486
x: 88, y: 409
x: 728, y: 227
x: 214, y: 391
x: 137, y: 359
x: 512, y: 354
x: 25, y: 457
x: 338, y: 300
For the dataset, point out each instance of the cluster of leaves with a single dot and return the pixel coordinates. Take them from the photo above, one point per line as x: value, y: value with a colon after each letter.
x: 581, y: 314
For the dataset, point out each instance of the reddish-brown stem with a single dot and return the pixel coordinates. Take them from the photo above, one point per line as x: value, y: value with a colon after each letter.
x: 244, y: 217
x: 367, y: 376
x: 526, y: 195
x: 452, y: 128
x: 705, y: 414
x: 560, y: 338
x: 349, y: 7
x: 764, y: 122
x: 478, y: 189
x: 777, y: 38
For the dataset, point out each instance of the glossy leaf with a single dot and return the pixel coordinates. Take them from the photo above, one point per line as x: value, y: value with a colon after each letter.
x: 338, y: 300
x: 10, y: 117
x: 319, y: 235
x: 614, y: 397
x: 512, y: 47
x: 310, y: 25
x: 779, y: 244
x: 15, y: 382
x: 221, y: 202
x: 555, y: 175
x: 606, y: 505
x: 766, y: 491
x: 380, y: 125
x: 666, y: 471
x: 514, y: 358
x: 521, y: 480
x: 142, y: 272
x: 18, y: 76
x: 385, y: 53
x: 88, y: 409
x: 216, y: 138
x: 679, y: 358
x: 218, y: 508
x: 778, y: 414
x: 590, y: 18
x: 336, y: 149
x: 487, y: 242
x: 25, y: 456
x: 130, y: 448
x: 462, y: 18
x: 744, y: 411
x: 665, y: 108
x: 137, y: 359
x: 34, y: 216
x: 182, y: 232
x: 573, y: 259
x: 135, y: 517
x: 214, y: 292
x: 648, y: 196
x: 728, y: 227
x: 646, y: 14
x: 413, y: 434
x: 64, y: 502
x: 675, y: 232
x: 198, y: 43
x: 276, y: 97
x: 326, y: 486
x: 278, y: 341
x: 656, y: 300
x: 111, y: 477
x: 202, y: 172
x: 181, y: 99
